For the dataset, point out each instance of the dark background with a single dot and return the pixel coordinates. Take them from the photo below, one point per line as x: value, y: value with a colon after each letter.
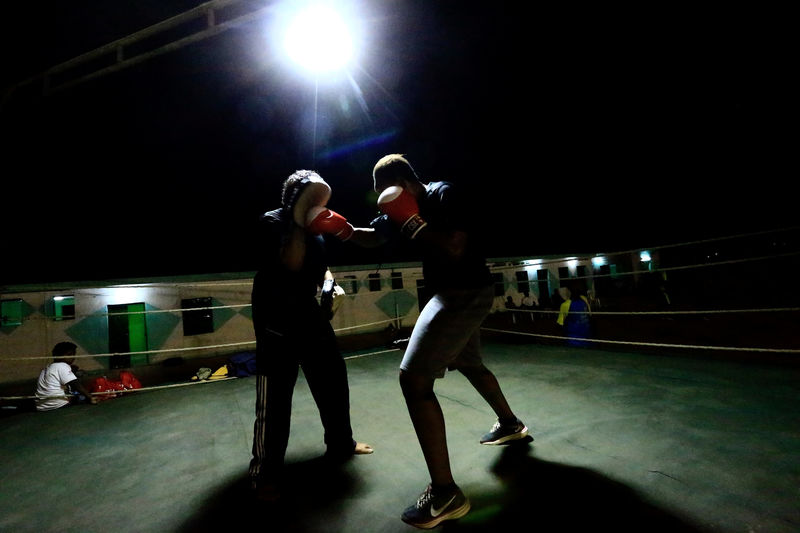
x: 580, y: 131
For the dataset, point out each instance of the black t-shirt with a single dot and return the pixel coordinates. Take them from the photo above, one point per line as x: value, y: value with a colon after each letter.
x: 283, y: 298
x: 445, y: 208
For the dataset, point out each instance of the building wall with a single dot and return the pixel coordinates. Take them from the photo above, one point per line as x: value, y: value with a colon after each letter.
x: 370, y: 305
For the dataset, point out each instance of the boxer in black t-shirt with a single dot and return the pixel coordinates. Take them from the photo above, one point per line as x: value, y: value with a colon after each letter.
x: 446, y: 334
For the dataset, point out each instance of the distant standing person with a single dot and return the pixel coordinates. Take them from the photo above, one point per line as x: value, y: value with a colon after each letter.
x: 577, y: 325
x: 529, y: 303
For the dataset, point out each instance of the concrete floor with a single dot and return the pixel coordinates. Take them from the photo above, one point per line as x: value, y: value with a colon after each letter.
x: 623, y: 441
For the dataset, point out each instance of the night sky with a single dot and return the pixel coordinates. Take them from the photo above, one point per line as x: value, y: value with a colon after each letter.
x: 578, y: 131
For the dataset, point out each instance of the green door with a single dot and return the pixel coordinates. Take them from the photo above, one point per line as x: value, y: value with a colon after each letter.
x: 127, y: 332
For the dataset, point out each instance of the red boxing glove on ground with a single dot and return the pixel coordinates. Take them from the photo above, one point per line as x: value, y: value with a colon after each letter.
x: 323, y: 220
x: 401, y: 207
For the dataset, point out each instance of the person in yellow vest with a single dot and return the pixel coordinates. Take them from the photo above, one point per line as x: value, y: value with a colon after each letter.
x: 563, y: 308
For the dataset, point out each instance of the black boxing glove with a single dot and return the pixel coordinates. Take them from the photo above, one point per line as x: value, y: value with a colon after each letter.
x: 385, y: 227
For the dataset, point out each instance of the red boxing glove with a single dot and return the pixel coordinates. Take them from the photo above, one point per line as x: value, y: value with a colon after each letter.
x: 323, y: 220
x: 401, y: 207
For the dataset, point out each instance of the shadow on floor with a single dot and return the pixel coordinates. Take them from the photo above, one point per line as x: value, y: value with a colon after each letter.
x: 234, y: 508
x: 546, y: 496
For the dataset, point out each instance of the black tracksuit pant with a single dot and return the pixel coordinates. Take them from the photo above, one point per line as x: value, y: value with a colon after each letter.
x: 314, y: 348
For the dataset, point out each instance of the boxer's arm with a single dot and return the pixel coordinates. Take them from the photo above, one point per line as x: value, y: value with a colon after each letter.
x: 450, y: 243
x: 367, y: 237
x: 322, y: 220
x: 293, y: 248
x: 401, y: 207
x: 78, y: 386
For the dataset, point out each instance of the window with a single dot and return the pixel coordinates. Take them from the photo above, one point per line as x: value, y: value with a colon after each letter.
x: 602, y: 281
x: 374, y: 282
x: 543, y: 284
x: 350, y: 286
x: 197, y: 321
x: 423, y: 294
x: 11, y: 312
x: 499, y: 284
x: 563, y: 276
x: 64, y: 307
x: 522, y: 282
x: 397, y: 280
x: 602, y: 270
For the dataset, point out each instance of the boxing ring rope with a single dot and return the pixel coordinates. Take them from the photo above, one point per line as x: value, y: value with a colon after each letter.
x: 657, y: 248
x: 489, y: 329
x: 142, y: 352
x: 549, y: 312
x: 646, y: 344
x: 507, y: 267
x: 184, y: 384
x: 659, y: 313
x: 493, y: 269
x: 497, y: 268
x: 123, y: 391
x: 191, y: 348
x: 391, y: 320
x: 656, y: 270
x: 391, y: 350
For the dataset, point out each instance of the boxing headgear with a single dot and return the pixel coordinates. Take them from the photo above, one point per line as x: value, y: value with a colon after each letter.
x: 310, y: 191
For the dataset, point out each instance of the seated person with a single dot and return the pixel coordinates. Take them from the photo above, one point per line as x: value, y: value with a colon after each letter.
x: 58, y: 382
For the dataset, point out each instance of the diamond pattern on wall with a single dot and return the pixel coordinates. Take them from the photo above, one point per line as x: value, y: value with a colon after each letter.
x: 396, y: 303
x: 91, y: 333
x: 159, y: 327
x: 221, y: 315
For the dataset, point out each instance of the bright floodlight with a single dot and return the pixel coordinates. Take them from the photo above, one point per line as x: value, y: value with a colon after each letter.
x: 318, y: 40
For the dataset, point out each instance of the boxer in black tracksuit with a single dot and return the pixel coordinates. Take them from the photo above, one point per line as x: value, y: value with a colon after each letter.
x: 292, y: 330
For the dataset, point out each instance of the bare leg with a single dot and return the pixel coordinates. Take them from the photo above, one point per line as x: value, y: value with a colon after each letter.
x: 486, y: 384
x: 428, y: 420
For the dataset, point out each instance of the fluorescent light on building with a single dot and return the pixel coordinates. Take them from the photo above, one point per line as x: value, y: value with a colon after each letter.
x: 126, y: 295
x: 644, y: 257
x: 531, y: 265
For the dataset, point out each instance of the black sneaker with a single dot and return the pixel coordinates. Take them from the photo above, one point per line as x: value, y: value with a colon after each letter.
x: 432, y: 509
x: 503, y: 433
